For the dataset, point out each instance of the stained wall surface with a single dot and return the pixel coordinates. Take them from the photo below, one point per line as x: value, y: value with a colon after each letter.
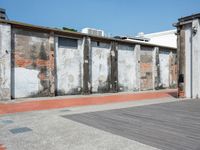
x: 173, y: 69
x: 127, y: 68
x: 31, y: 64
x: 164, y: 68
x: 195, y: 61
x: 37, y: 63
x: 189, y: 62
x: 146, y: 68
x: 100, y: 67
x: 69, y: 65
x: 5, y: 61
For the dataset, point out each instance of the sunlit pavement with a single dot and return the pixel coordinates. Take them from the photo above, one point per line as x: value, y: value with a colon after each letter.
x: 52, y: 129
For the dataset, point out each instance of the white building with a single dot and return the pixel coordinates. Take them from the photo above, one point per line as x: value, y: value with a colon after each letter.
x: 164, y: 38
x: 91, y: 31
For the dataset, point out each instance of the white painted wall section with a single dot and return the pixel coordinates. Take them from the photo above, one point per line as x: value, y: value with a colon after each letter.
x: 127, y: 68
x: 101, y: 65
x: 164, y: 68
x: 195, y: 59
x: 5, y: 62
x: 69, y: 65
x: 27, y: 83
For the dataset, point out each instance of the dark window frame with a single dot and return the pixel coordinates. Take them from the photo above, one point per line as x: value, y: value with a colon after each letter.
x: 67, y: 42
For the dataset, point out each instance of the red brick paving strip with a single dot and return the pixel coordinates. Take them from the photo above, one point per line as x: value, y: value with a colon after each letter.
x: 2, y: 147
x: 72, y: 102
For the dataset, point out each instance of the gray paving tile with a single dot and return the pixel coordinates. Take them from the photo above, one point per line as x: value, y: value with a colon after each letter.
x: 65, y: 110
x: 168, y: 126
x: 6, y: 121
x: 20, y: 130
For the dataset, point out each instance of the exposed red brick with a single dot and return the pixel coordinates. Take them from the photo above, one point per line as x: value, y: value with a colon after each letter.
x: 146, y: 65
x: 40, y: 62
x: 42, y: 76
x: 2, y: 147
x: 23, y: 62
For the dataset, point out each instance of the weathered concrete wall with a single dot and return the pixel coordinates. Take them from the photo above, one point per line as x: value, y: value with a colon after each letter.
x: 100, y: 67
x: 156, y: 68
x: 69, y: 65
x: 114, y: 67
x: 127, y: 78
x: 189, y: 62
x: 195, y: 59
x: 87, y: 65
x: 181, y: 61
x: 173, y: 69
x: 44, y: 64
x: 164, y: 68
x: 137, y: 66
x: 146, y: 68
x: 31, y: 67
x: 5, y: 61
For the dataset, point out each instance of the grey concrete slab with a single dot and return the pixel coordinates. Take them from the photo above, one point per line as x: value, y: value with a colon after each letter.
x: 167, y: 126
x: 50, y: 131
x: 20, y: 130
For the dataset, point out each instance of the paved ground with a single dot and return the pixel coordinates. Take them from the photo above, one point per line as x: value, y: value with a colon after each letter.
x: 25, y: 105
x: 169, y: 126
x: 42, y: 130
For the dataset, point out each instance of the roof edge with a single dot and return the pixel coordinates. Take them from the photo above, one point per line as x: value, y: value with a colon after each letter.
x: 79, y: 34
x: 191, y: 17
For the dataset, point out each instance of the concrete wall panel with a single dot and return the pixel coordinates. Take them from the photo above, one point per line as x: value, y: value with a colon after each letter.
x: 195, y: 59
x: 164, y: 68
x: 173, y: 69
x: 100, y: 67
x: 5, y: 61
x: 134, y: 67
x: 69, y: 64
x: 146, y: 68
x: 31, y: 64
x: 188, y: 54
x: 127, y: 78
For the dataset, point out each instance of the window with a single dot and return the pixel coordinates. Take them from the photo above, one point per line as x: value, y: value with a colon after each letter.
x: 98, y: 43
x: 66, y: 42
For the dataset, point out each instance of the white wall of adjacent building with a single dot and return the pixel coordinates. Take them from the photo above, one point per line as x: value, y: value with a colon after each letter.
x: 164, y: 38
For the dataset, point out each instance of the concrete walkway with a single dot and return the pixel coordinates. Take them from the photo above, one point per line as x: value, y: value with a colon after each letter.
x: 26, y: 105
x: 167, y: 126
x: 52, y: 130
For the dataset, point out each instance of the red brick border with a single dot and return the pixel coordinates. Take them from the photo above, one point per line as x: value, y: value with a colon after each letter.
x: 81, y: 101
x: 2, y: 147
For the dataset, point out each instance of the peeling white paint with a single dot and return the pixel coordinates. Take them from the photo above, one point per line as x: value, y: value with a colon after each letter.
x: 30, y: 77
x: 27, y: 83
x: 5, y: 62
x: 164, y: 68
x: 31, y: 46
x: 188, y: 54
x: 69, y: 65
x: 195, y: 59
x: 127, y: 76
x: 100, y: 66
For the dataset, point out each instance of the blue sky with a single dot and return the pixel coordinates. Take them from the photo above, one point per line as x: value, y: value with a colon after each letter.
x: 116, y: 17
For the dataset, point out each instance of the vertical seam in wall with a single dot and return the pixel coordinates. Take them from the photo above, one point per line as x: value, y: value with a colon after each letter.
x: 55, y: 65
